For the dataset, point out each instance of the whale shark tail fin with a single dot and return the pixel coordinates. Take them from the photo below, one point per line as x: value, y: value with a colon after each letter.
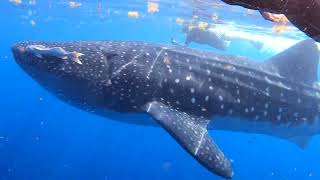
x: 191, y: 133
x: 298, y: 63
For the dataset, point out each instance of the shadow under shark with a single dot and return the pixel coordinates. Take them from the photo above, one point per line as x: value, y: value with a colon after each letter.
x: 183, y: 89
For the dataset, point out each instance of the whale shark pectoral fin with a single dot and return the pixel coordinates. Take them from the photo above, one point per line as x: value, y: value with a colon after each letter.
x: 191, y: 133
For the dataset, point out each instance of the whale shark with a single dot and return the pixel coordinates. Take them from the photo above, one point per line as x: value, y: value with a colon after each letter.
x: 185, y: 91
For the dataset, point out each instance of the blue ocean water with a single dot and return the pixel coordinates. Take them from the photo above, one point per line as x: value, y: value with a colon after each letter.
x: 44, y: 138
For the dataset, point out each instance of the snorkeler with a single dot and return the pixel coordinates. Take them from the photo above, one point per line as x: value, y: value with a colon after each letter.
x: 304, y: 14
x: 210, y: 36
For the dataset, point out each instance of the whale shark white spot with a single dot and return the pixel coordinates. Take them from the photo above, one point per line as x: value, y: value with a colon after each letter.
x: 193, y: 100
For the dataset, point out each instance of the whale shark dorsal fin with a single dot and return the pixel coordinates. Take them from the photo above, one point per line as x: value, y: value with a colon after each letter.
x: 298, y: 63
x: 191, y: 133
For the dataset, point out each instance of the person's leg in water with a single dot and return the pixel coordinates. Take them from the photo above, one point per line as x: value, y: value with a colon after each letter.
x: 174, y: 42
x: 188, y: 39
x: 304, y: 14
x: 185, y: 29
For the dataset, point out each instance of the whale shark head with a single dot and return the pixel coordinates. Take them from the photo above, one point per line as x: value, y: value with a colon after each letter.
x: 74, y: 71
